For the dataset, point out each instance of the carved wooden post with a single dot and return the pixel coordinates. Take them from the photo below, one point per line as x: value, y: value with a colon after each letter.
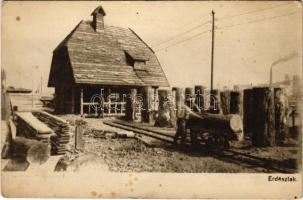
x: 179, y: 101
x: 166, y: 111
x: 225, y: 102
x: 248, y: 108
x: 199, y: 100
x: 215, y: 101
x: 264, y: 117
x: 131, y: 105
x: 189, y: 97
x: 236, y: 103
x: 281, y: 106
x: 147, y: 100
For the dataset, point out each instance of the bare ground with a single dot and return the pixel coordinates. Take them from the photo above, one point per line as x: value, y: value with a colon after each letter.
x: 131, y: 155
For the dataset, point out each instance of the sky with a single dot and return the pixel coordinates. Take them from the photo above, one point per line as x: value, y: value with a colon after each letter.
x: 249, y: 38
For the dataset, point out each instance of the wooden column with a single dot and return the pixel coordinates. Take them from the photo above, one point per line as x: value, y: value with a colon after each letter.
x: 215, y: 101
x: 225, y: 102
x: 81, y: 102
x: 248, y: 108
x: 200, y: 92
x: 263, y: 133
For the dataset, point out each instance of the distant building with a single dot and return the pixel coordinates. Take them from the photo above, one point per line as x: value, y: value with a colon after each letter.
x: 95, y: 56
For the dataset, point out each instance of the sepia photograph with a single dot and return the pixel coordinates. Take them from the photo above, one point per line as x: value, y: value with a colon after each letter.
x: 183, y: 92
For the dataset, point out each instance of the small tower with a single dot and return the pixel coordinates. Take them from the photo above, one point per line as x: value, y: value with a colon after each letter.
x: 98, y: 19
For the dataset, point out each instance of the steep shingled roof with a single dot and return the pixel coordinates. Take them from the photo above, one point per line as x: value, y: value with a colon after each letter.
x: 100, y: 57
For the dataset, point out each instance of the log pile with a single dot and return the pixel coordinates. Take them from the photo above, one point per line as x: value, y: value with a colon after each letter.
x: 61, y: 128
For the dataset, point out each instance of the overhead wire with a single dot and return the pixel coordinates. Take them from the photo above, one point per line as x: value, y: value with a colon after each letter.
x: 181, y: 33
x: 257, y: 20
x: 184, y: 40
x: 250, y: 12
x: 184, y: 32
x: 223, y: 27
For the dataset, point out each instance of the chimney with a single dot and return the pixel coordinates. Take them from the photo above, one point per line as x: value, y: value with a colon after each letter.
x: 98, y: 19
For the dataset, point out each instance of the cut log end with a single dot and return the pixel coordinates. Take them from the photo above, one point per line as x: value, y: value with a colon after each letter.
x: 236, y: 123
x: 38, y: 154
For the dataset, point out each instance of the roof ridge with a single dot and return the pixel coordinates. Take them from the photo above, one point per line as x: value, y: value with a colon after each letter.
x: 68, y: 36
x: 141, y: 39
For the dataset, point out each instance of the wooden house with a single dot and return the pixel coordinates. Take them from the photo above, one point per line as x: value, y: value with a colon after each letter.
x: 96, y: 59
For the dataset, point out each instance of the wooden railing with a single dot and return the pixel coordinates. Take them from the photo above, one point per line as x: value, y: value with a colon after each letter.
x: 108, y: 108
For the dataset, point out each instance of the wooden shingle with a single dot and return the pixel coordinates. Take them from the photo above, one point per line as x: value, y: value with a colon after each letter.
x: 100, y: 57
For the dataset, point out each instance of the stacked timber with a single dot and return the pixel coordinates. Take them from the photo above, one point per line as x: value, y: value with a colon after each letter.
x: 30, y: 127
x: 263, y: 133
x: 61, y: 128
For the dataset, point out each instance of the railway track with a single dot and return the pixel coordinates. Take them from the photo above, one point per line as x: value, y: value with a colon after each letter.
x: 228, y: 155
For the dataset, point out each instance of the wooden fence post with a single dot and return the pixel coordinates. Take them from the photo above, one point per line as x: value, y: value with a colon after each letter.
x: 215, y: 101
x: 79, y: 142
x: 200, y: 96
x: 189, y: 97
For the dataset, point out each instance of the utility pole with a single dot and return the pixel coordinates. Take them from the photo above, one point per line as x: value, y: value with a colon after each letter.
x: 212, y: 51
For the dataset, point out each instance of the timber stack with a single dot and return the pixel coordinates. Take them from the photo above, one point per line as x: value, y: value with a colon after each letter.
x: 30, y: 127
x: 61, y: 128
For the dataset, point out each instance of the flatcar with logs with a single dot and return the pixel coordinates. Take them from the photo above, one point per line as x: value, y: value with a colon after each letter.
x: 215, y: 130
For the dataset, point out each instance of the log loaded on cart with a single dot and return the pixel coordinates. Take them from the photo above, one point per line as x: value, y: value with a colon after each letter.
x: 216, y: 130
